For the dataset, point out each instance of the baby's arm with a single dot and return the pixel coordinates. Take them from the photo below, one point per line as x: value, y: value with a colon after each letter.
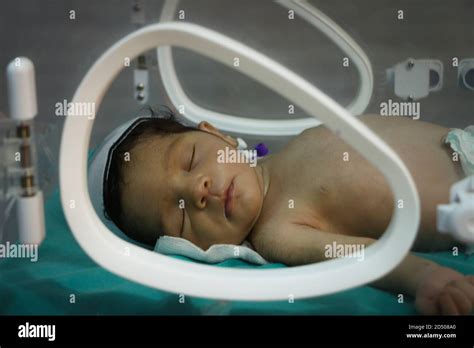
x: 438, y: 290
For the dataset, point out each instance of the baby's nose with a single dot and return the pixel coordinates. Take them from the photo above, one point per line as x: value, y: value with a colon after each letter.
x: 201, y: 192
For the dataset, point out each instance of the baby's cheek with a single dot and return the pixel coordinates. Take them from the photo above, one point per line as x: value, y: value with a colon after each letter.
x: 206, y: 230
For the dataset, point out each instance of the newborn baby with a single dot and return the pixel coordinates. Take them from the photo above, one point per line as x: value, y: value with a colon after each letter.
x: 165, y: 178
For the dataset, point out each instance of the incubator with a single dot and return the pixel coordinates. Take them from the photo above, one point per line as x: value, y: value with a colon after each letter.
x: 21, y: 138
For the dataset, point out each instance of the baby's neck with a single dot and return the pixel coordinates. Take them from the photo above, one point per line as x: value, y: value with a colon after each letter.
x: 264, y: 175
x: 263, y: 172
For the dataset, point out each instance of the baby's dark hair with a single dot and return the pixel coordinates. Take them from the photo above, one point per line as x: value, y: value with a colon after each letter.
x: 162, y: 123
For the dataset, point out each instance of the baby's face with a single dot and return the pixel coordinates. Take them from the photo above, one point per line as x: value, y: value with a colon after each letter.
x: 175, y: 185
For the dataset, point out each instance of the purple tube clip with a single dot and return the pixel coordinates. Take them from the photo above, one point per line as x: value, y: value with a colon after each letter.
x: 262, y: 149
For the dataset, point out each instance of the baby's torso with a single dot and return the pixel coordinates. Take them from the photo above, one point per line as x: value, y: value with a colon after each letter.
x: 321, y: 181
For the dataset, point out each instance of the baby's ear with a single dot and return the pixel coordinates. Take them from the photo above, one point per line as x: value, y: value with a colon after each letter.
x: 209, y: 128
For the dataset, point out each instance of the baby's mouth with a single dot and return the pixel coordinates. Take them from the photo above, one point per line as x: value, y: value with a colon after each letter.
x: 229, y: 199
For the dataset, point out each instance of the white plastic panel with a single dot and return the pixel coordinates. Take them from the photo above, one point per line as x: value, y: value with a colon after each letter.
x: 414, y: 79
x: 169, y: 274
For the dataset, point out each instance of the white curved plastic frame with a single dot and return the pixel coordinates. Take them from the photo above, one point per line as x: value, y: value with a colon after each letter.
x: 170, y: 274
x: 244, y: 125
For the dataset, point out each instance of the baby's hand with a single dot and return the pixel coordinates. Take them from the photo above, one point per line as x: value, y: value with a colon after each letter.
x: 444, y: 291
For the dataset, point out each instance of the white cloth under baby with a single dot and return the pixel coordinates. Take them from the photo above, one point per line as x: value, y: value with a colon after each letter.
x: 217, y: 253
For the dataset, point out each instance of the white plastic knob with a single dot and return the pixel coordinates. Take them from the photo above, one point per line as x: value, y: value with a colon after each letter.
x: 22, y: 89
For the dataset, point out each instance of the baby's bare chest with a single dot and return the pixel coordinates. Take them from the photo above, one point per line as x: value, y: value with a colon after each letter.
x: 323, y: 181
x: 326, y: 185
